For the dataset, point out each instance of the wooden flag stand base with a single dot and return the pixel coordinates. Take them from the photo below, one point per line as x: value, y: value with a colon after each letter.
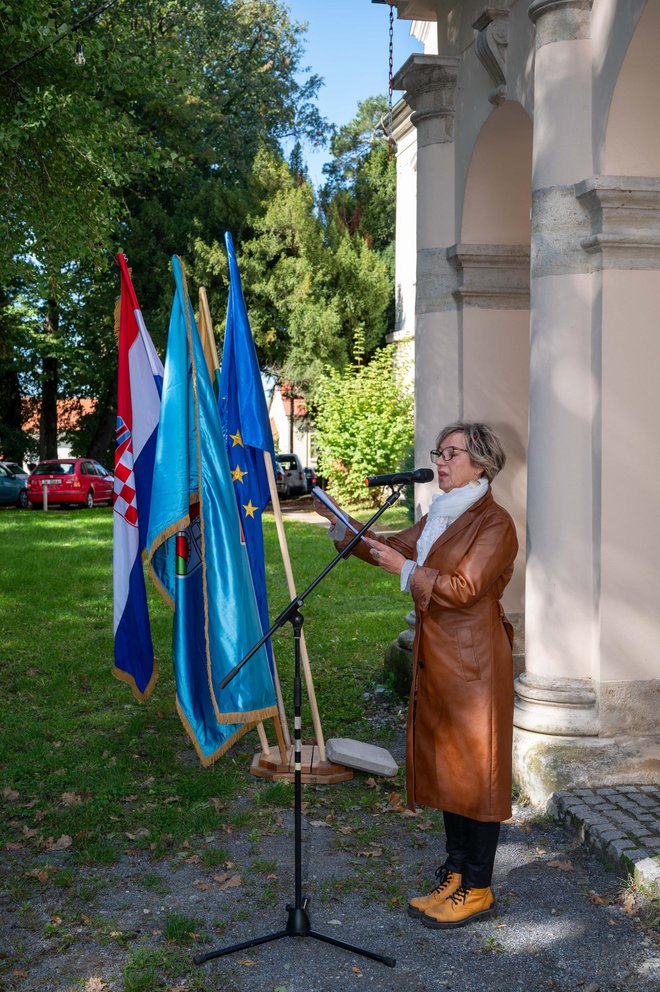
x: 314, y: 771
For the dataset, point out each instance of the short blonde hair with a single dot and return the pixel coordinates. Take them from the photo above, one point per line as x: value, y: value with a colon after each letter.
x: 482, y: 442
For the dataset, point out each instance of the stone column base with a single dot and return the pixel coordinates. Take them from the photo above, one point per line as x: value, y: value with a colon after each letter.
x: 544, y: 764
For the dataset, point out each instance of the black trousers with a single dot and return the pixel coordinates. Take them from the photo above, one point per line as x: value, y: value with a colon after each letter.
x: 471, y: 847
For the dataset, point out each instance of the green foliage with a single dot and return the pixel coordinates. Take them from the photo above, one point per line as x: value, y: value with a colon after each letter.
x: 364, y: 424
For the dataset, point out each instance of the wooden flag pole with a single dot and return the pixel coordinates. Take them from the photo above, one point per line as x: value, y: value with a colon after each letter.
x: 279, y: 523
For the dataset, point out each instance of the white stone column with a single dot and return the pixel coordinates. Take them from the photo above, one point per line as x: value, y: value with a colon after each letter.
x: 556, y: 694
x: 429, y: 84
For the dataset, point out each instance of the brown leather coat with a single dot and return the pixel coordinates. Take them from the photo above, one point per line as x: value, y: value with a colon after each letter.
x: 460, y: 720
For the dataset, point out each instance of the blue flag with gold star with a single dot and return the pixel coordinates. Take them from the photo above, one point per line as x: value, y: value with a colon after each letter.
x: 247, y: 428
x: 196, y: 551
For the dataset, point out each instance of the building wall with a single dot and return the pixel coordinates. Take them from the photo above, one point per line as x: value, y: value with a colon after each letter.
x: 537, y: 199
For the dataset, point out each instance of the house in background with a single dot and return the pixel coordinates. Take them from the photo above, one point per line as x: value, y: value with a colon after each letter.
x: 289, y: 421
x: 528, y: 291
x: 69, y: 412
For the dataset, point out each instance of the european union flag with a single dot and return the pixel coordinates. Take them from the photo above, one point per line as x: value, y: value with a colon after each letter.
x: 196, y: 554
x: 247, y: 429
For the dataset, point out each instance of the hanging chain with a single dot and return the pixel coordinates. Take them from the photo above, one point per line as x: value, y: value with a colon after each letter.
x: 390, y: 128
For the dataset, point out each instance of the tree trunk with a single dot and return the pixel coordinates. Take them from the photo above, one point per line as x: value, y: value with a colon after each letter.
x: 12, y: 439
x: 49, y: 382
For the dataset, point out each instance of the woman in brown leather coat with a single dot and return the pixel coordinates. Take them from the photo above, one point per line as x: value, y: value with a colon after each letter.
x: 456, y: 563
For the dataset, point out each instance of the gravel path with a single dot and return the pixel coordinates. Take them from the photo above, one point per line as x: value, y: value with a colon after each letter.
x: 566, y: 921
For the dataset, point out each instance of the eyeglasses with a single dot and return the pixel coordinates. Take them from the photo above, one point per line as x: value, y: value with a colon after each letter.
x: 446, y: 454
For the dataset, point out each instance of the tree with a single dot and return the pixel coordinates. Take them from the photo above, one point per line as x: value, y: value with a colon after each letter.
x: 364, y: 424
x: 147, y: 147
x: 312, y: 287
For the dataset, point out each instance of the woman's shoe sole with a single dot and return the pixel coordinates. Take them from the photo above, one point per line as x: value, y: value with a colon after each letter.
x: 428, y: 921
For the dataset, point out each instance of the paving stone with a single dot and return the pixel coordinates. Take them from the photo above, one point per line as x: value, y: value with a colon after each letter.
x: 647, y: 875
x: 643, y: 800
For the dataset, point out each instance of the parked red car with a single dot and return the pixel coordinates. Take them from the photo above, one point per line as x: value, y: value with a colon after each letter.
x: 71, y: 480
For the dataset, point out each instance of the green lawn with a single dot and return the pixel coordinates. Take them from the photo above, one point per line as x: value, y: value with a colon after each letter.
x: 81, y: 759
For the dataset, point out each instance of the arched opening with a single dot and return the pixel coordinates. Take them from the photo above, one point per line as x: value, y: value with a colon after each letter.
x: 498, y: 195
x: 493, y: 257
x: 632, y: 140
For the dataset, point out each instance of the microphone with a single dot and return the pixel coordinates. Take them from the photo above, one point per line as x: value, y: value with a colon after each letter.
x: 401, y: 478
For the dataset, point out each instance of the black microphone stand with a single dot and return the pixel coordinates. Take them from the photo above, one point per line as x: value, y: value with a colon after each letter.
x: 298, y: 921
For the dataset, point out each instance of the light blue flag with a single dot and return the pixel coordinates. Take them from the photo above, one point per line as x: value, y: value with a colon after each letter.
x: 196, y: 551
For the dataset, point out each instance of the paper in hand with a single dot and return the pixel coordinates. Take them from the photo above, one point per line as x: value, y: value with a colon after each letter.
x: 320, y: 495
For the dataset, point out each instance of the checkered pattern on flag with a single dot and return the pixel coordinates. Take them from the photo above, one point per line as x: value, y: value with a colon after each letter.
x: 140, y: 382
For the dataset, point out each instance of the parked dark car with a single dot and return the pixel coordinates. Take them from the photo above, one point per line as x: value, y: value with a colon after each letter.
x: 310, y: 478
x: 71, y: 480
x: 17, y: 469
x: 13, y: 491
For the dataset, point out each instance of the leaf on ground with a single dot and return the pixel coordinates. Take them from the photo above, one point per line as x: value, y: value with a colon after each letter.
x: 41, y: 874
x: 130, y: 799
x: 222, y: 878
x: 202, y: 886
x: 10, y: 794
x: 232, y: 883
x: 356, y: 970
x: 95, y: 984
x: 628, y: 903
x: 217, y: 804
x: 346, y: 830
x: 371, y: 852
x: 70, y: 799
x: 562, y: 865
x: 20, y: 973
x: 424, y: 825
x: 371, y: 783
x: 247, y: 962
x: 14, y: 847
x: 394, y: 802
x: 29, y: 832
x: 141, y: 832
x: 192, y: 859
x: 599, y: 900
x: 170, y: 799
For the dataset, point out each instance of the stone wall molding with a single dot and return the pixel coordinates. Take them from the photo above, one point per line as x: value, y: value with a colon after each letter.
x: 493, y: 277
x: 560, y: 20
x: 624, y: 212
x: 429, y: 86
x: 490, y: 46
x: 556, y: 706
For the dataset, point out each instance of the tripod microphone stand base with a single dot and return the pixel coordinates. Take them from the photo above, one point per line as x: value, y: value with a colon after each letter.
x: 298, y: 925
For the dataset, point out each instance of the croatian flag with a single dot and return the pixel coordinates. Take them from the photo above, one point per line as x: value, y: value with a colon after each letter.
x: 139, y: 387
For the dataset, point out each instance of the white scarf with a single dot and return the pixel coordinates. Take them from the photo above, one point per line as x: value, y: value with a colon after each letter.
x: 444, y: 509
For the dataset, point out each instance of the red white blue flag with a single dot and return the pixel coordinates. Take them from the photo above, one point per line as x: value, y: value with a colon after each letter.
x: 140, y: 382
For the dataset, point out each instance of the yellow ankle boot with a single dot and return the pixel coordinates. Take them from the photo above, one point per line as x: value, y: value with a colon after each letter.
x: 448, y: 882
x: 461, y: 907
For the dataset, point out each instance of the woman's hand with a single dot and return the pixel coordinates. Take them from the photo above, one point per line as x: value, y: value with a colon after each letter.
x: 386, y: 557
x: 323, y: 510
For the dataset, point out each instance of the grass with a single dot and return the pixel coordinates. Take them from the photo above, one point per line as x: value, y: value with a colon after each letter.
x: 87, y: 768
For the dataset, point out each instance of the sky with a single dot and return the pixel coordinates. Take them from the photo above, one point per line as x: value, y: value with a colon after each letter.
x: 347, y: 43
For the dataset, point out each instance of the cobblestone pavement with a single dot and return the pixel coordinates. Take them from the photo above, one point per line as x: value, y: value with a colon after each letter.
x: 620, y: 822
